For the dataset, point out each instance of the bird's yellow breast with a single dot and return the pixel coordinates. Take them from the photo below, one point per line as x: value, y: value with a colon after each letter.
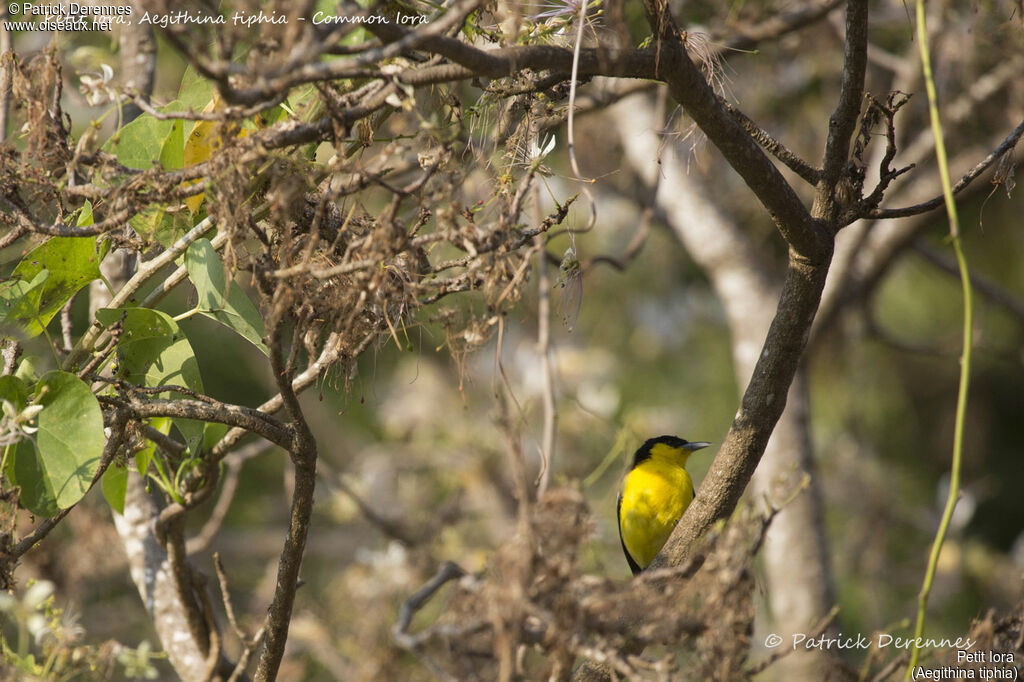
x: 654, y: 495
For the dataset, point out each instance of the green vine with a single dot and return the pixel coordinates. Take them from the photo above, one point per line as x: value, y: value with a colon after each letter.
x: 965, y: 364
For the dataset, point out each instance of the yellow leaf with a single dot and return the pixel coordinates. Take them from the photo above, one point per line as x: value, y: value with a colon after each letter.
x: 205, y: 139
x: 199, y: 147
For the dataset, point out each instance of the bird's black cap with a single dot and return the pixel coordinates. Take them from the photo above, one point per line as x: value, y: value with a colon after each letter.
x: 644, y: 451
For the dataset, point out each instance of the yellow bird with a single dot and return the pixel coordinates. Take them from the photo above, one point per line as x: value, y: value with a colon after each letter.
x: 655, y: 493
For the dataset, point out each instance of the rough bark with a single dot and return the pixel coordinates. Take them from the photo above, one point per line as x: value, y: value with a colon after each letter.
x: 151, y: 572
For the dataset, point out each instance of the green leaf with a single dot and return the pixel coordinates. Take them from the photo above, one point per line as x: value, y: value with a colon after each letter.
x: 172, y: 154
x: 155, y: 223
x: 28, y: 370
x: 24, y: 469
x: 114, y: 484
x: 145, y: 456
x: 85, y: 218
x: 153, y: 351
x: 195, y: 90
x: 19, y: 302
x: 149, y: 220
x: 221, y: 299
x: 212, y: 433
x: 70, y: 263
x: 143, y: 141
x: 14, y: 391
x: 192, y: 431
x: 70, y: 439
x: 139, y: 144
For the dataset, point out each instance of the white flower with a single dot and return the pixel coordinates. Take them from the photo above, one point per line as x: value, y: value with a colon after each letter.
x: 537, y: 153
x: 14, y: 425
x: 37, y: 594
x: 38, y: 628
x: 96, y: 87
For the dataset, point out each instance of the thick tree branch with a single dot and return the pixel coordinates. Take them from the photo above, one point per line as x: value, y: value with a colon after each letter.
x: 762, y: 404
x: 303, y: 453
x: 843, y: 121
x: 170, y: 533
x: 222, y: 413
x: 765, y: 396
x: 688, y: 87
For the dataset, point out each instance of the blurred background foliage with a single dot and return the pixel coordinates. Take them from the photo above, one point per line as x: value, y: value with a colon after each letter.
x: 411, y: 435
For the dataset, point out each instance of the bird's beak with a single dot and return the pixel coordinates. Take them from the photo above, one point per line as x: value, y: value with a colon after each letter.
x: 695, y: 446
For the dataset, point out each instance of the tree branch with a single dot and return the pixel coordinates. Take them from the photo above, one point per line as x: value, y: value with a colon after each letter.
x: 124, y: 295
x: 222, y: 413
x: 746, y: 37
x: 805, y: 170
x: 303, y: 454
x: 1005, y: 147
x: 984, y: 286
x: 688, y: 87
x: 762, y: 404
x: 844, y: 119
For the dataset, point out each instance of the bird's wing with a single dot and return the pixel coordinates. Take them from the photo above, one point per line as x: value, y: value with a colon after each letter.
x: 633, y: 565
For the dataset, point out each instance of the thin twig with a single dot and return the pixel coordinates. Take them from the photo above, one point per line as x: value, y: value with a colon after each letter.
x: 817, y: 632
x: 165, y: 443
x: 499, y: 346
x: 148, y: 269
x: 792, y: 160
x: 129, y: 387
x: 743, y: 37
x: 984, y: 286
x: 65, y: 325
x: 570, y: 128
x: 547, y: 442
x: 389, y: 526
x: 225, y: 593
x: 448, y: 571
x: 222, y: 115
x: 243, y: 661
x: 1008, y: 143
